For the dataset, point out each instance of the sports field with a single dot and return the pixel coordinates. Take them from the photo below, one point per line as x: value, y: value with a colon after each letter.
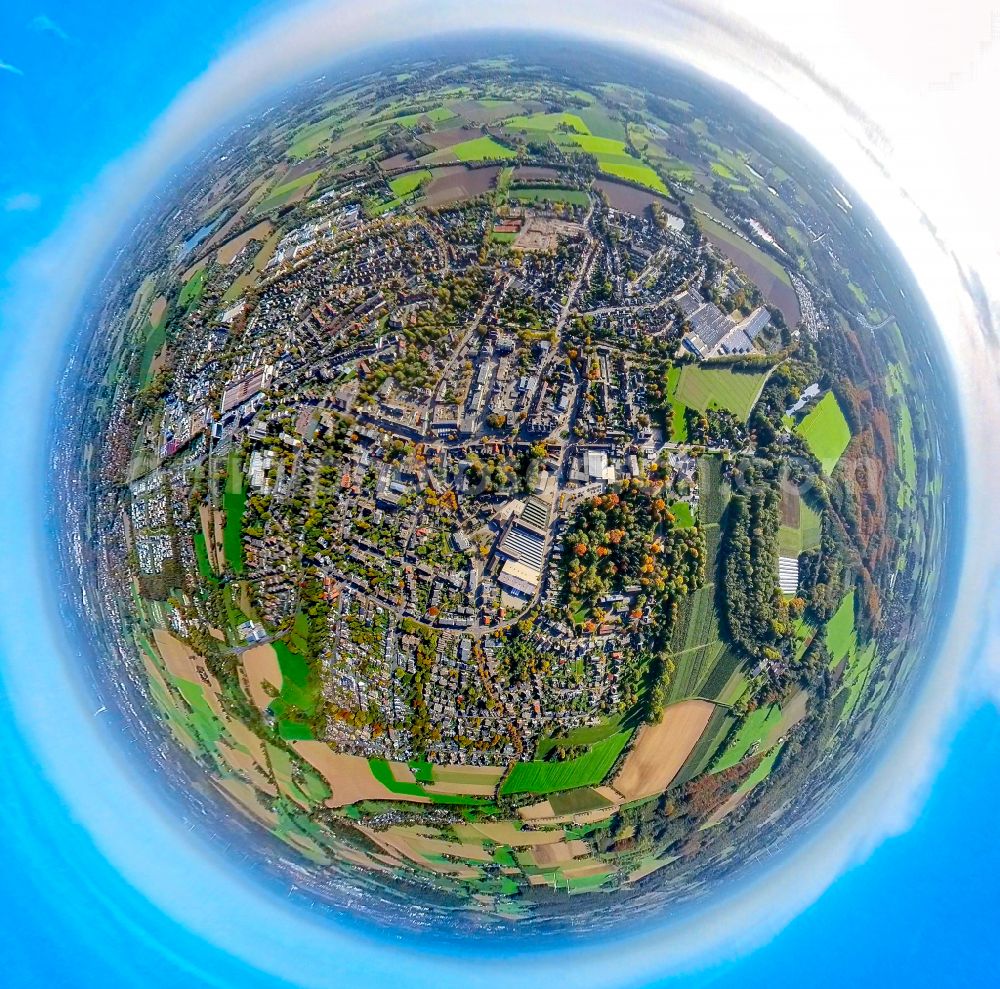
x: 703, y: 388
x: 585, y: 770
x: 826, y: 432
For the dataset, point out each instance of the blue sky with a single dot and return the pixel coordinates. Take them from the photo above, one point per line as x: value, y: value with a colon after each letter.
x: 85, y: 83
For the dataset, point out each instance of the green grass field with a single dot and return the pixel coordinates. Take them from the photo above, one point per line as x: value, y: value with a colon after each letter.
x: 232, y: 533
x: 683, y: 517
x: 201, y: 554
x: 156, y: 337
x: 550, y: 777
x: 758, y: 723
x: 600, y: 123
x: 482, y: 149
x: 409, y: 182
x: 762, y: 772
x: 714, y: 495
x: 840, y: 635
x: 586, y: 735
x: 546, y: 122
x: 551, y: 194
x: 702, y: 388
x: 192, y: 290
x: 905, y: 450
x: 297, y: 700
x: 826, y: 432
x: 639, y: 173
x: 282, y: 193
x: 438, y: 115
x: 678, y: 423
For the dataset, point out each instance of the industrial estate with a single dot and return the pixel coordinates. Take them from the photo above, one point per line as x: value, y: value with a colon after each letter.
x: 505, y: 484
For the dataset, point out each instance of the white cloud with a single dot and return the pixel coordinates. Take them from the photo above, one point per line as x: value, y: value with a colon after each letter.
x: 7, y: 67
x: 22, y: 202
x: 46, y: 25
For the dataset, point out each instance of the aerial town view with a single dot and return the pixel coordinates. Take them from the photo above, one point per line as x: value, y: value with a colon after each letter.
x: 505, y: 484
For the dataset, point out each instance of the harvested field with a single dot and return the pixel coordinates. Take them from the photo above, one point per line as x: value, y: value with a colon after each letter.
x: 440, y: 139
x: 183, y: 662
x: 483, y: 775
x: 486, y: 111
x: 244, y: 797
x: 399, y: 847
x: 399, y: 161
x: 229, y: 250
x: 245, y: 763
x: 660, y: 750
x: 463, y: 789
x: 157, y: 310
x: 349, y: 776
x: 455, y: 183
x: 260, y: 665
x: 563, y: 852
x: 629, y: 199
x: 537, y: 812
x: 401, y: 773
x: 507, y: 834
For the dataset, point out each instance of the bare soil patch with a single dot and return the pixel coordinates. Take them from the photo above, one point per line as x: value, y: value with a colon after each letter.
x: 157, y: 309
x: 349, y: 776
x: 229, y: 250
x: 660, y: 750
x: 402, y: 160
x: 260, y: 664
x: 439, y: 139
x: 543, y: 233
x: 452, y: 185
x: 629, y: 199
x: 181, y: 661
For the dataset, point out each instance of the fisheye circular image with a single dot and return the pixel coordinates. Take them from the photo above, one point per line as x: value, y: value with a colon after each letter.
x: 506, y: 487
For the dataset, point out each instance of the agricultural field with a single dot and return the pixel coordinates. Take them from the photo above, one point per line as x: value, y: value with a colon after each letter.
x: 586, y: 770
x: 547, y: 122
x: 826, y: 432
x: 801, y: 524
x: 234, y: 505
x: 405, y: 185
x: 482, y: 149
x: 287, y: 191
x: 753, y: 731
x: 660, y: 750
x: 550, y: 194
x: 699, y: 387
